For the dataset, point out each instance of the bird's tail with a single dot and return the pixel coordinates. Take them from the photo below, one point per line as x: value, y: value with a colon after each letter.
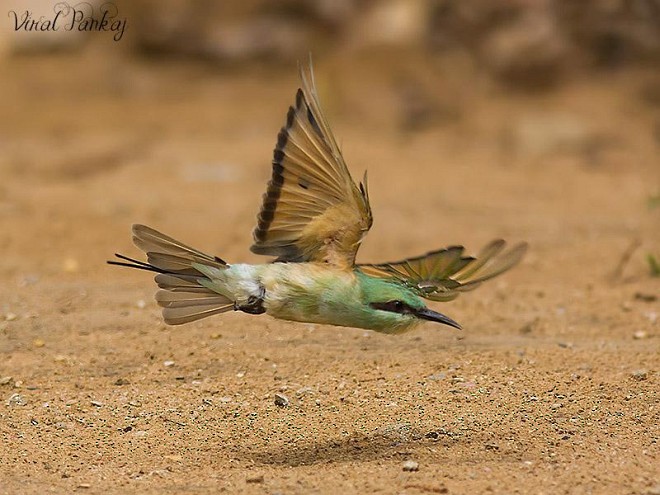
x: 183, y: 292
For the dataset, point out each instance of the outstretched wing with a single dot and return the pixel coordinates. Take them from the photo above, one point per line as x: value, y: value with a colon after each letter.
x: 442, y: 275
x: 312, y: 209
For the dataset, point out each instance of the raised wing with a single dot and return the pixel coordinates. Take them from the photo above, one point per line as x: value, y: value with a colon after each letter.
x: 442, y: 275
x: 312, y: 209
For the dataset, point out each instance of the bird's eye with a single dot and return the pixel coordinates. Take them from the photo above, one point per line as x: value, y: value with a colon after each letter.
x: 393, y: 307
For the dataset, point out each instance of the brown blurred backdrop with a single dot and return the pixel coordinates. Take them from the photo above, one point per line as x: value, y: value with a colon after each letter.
x: 193, y: 93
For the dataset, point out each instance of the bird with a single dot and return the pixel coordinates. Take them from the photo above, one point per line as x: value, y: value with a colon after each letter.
x: 312, y: 220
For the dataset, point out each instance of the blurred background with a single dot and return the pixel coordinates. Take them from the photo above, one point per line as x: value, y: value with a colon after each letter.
x: 526, y: 119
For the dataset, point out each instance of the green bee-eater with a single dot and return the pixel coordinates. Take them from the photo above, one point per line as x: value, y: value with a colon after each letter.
x: 312, y: 220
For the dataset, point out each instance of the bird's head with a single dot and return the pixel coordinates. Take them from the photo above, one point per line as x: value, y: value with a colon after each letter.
x: 395, y: 308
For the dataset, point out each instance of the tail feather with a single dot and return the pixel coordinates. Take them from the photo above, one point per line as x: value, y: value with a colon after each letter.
x: 179, y: 316
x: 179, y: 283
x: 169, y: 299
x: 184, y: 294
x: 169, y: 254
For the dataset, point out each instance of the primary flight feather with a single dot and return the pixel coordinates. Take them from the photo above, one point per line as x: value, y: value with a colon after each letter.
x: 313, y: 219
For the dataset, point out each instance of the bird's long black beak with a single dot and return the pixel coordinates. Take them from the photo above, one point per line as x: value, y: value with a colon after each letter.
x: 430, y: 315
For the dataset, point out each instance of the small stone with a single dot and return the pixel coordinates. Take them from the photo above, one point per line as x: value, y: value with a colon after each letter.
x: 38, y: 343
x: 304, y: 390
x: 240, y: 374
x: 641, y: 296
x: 11, y: 316
x: 169, y: 364
x: 281, y: 400
x: 255, y: 478
x: 5, y: 380
x: 96, y: 403
x: 556, y: 405
x: 530, y: 326
x: 639, y: 375
x: 84, y: 485
x: 121, y: 381
x: 16, y: 400
x: 141, y: 304
x: 639, y: 335
x: 410, y: 466
x: 216, y: 336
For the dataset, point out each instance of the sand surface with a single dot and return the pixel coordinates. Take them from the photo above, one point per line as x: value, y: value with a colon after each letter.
x: 552, y: 386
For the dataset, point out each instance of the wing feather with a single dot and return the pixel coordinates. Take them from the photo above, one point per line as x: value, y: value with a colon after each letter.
x: 443, y: 274
x: 312, y: 209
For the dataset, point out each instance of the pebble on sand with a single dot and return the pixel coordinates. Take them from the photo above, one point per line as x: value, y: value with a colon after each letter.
x: 410, y: 466
x: 281, y: 400
x: 639, y: 375
x: 16, y: 400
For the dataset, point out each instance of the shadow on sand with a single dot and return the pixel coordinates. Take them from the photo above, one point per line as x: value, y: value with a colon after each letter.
x: 368, y: 447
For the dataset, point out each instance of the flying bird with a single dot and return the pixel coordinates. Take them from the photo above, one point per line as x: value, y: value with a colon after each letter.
x: 312, y: 220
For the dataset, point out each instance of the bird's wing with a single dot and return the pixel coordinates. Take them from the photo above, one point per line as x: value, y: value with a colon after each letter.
x: 443, y: 274
x: 312, y: 209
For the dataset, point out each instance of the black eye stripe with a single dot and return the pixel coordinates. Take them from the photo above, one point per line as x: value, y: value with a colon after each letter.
x: 393, y: 307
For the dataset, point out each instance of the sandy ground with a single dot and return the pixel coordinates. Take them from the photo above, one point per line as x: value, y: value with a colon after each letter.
x: 552, y: 387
